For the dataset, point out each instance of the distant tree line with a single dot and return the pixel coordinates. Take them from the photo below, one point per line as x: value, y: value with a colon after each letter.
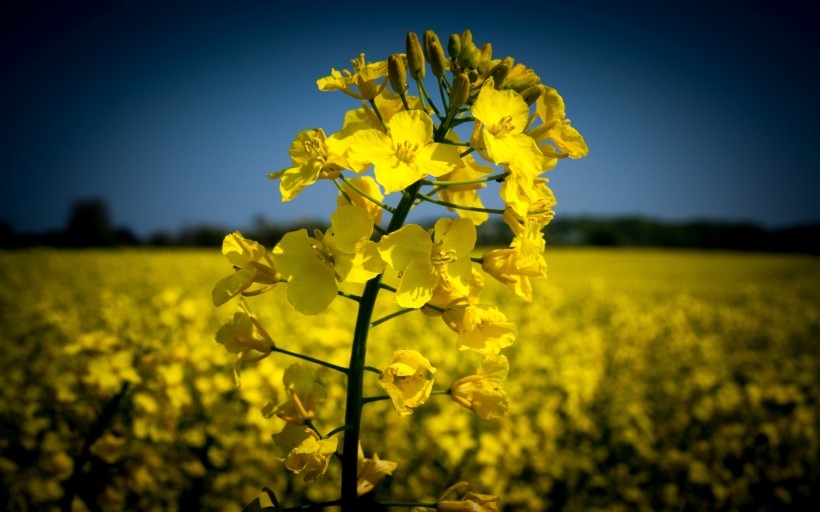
x: 89, y: 225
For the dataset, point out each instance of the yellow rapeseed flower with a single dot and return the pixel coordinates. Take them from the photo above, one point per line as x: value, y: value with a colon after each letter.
x: 253, y: 265
x: 244, y: 335
x: 304, y: 393
x: 363, y: 78
x: 314, y: 156
x: 406, y: 154
x: 424, y: 259
x: 315, y: 265
x: 481, y: 328
x: 372, y: 471
x: 501, y: 117
x: 482, y: 392
x: 408, y: 380
x: 470, y: 502
x: 312, y: 456
x: 555, y: 126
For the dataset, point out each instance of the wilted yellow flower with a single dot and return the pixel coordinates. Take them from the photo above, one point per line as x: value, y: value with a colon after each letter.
x: 406, y: 154
x: 315, y: 265
x: 312, y: 456
x: 482, y: 328
x: 555, y: 126
x: 252, y: 263
x: 372, y: 471
x: 304, y: 394
x: 482, y: 393
x: 244, y: 336
x: 470, y: 502
x: 314, y: 156
x: 524, y: 195
x: 408, y: 380
x: 424, y: 258
x: 364, y: 78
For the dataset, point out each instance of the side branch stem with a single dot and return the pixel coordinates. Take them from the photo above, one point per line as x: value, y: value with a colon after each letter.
x: 311, y: 359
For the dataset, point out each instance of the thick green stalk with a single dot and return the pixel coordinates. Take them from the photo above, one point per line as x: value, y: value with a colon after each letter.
x: 355, y: 376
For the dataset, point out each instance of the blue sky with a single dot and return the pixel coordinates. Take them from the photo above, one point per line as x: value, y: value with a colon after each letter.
x: 176, y: 113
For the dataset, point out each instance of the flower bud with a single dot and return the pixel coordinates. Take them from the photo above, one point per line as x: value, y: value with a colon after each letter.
x: 485, y: 58
x: 415, y: 57
x: 460, y: 90
x: 435, y: 52
x: 499, y: 73
x: 397, y: 74
x: 531, y: 94
x: 454, y: 46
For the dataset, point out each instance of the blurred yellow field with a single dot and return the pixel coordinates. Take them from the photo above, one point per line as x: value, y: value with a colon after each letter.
x: 640, y: 380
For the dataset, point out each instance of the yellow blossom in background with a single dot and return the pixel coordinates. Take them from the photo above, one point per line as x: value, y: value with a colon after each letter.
x: 315, y: 265
x: 372, y: 471
x: 481, y: 328
x: 555, y: 126
x: 312, y: 456
x: 424, y: 259
x: 252, y: 263
x: 501, y: 117
x: 367, y: 185
x: 364, y: 78
x: 314, y: 156
x: 406, y: 153
x: 482, y: 392
x: 408, y: 380
x: 304, y: 394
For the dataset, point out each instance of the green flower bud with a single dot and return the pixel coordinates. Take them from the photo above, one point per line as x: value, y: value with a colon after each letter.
x: 460, y: 90
x: 415, y: 57
x: 454, y: 46
x: 499, y: 73
x: 485, y: 58
x: 435, y: 53
x: 520, y: 78
x: 396, y: 73
x: 531, y: 94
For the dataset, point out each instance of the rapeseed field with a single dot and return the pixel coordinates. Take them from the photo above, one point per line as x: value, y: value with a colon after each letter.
x: 643, y: 380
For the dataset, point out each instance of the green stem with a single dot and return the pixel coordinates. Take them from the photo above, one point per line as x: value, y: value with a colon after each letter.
x: 494, y: 177
x: 354, y: 298
x: 423, y: 90
x: 355, y: 372
x: 460, y: 206
x: 390, y: 316
x: 476, y: 260
x: 311, y: 359
x: 407, y: 504
x: 378, y: 114
x: 313, y: 506
x: 465, y: 153
x: 366, y: 196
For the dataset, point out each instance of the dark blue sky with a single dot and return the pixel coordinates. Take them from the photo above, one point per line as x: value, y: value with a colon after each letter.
x: 176, y: 113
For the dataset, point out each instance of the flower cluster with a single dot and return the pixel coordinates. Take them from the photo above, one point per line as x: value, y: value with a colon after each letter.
x: 495, y: 123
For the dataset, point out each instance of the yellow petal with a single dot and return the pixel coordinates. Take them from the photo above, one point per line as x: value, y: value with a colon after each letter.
x: 409, y: 243
x: 412, y: 126
x: 417, y: 284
